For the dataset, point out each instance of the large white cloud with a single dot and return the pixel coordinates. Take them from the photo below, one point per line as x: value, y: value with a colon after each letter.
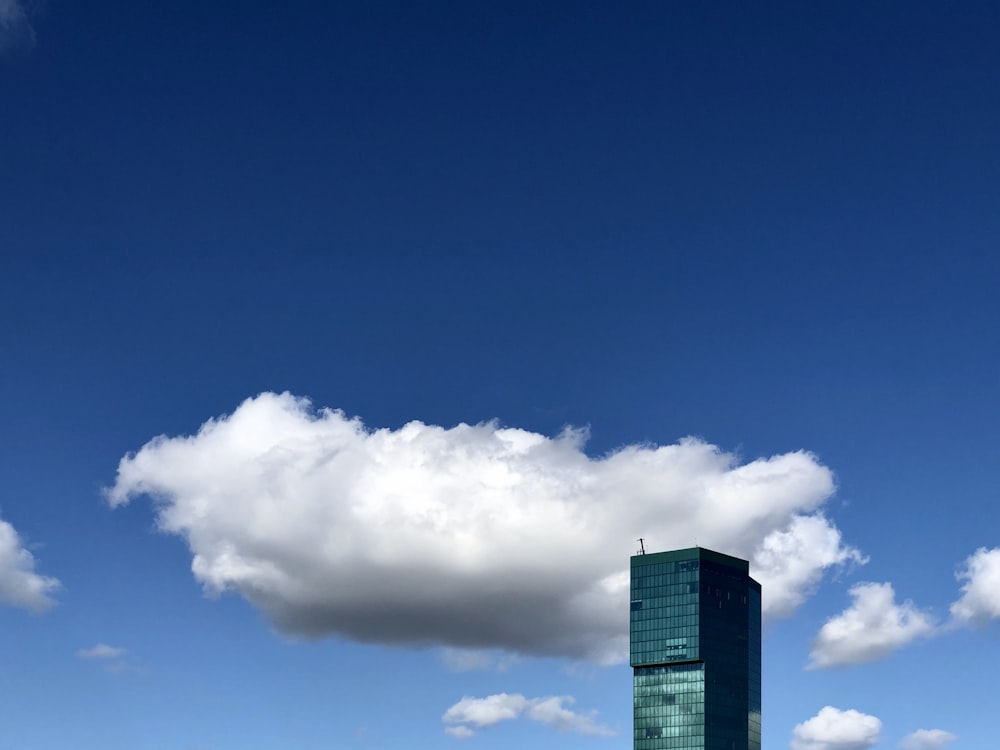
x: 871, y: 628
x: 980, y: 600
x: 470, y: 714
x: 834, y: 729
x: 475, y: 536
x: 927, y: 739
x: 20, y: 585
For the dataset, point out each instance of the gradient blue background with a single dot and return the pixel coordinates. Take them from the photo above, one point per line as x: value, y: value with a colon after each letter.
x: 771, y: 225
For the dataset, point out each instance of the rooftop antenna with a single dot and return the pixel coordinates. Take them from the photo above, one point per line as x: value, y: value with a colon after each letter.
x: 642, y: 547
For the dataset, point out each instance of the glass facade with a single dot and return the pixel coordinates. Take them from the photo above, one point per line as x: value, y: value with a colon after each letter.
x: 695, y: 652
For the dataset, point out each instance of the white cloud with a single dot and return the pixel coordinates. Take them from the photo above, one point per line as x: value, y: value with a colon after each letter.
x: 470, y: 714
x: 789, y: 563
x: 927, y: 739
x: 472, y: 537
x: 20, y: 585
x: 14, y: 26
x: 485, y: 712
x: 552, y: 712
x: 102, y: 651
x: 871, y: 628
x: 833, y: 729
x: 980, y: 600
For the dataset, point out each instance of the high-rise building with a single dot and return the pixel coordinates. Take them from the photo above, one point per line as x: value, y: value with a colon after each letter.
x: 695, y: 652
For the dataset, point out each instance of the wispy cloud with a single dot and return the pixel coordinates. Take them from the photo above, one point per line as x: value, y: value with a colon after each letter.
x: 834, y: 729
x: 113, y: 659
x: 20, y: 585
x: 927, y: 739
x: 102, y: 651
x: 15, y: 28
x: 471, y: 537
x: 471, y: 714
x: 871, y: 628
x: 468, y: 660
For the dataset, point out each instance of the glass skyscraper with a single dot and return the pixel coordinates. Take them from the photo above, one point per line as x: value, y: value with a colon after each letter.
x: 695, y: 652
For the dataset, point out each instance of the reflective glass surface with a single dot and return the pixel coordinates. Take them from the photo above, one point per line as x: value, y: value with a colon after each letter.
x: 695, y: 650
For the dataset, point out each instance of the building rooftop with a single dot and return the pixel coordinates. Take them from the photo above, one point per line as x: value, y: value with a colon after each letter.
x: 691, y: 553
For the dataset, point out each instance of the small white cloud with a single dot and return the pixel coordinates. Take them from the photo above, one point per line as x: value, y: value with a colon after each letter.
x: 20, y: 585
x: 553, y: 713
x: 473, y: 537
x: 871, y: 628
x: 102, y: 651
x: 833, y: 729
x: 470, y: 714
x: 927, y: 739
x: 980, y: 600
x: 485, y: 712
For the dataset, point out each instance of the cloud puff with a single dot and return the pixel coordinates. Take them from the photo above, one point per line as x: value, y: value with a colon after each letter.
x: 927, y: 739
x: 20, y: 585
x: 472, y: 537
x: 14, y: 26
x: 833, y: 729
x: 102, y: 651
x: 871, y: 628
x: 470, y: 714
x: 791, y: 561
x: 980, y: 600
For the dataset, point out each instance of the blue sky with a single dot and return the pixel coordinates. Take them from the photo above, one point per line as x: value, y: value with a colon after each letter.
x: 439, y: 306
